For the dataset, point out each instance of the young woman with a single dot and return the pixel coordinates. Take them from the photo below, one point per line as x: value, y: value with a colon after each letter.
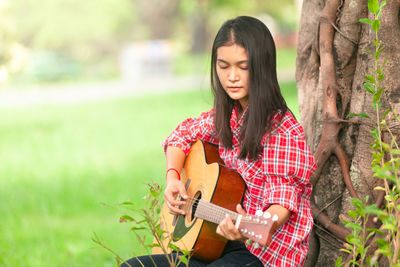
x: 258, y: 137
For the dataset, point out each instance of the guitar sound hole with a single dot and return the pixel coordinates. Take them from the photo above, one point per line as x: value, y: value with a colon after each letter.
x: 196, y: 200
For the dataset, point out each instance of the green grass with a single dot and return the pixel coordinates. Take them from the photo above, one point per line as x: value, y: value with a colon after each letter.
x: 58, y: 164
x: 286, y: 58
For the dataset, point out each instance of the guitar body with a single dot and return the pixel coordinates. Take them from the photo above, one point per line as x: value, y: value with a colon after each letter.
x: 209, y: 180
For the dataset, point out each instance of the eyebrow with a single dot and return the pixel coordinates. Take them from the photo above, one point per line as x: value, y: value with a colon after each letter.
x: 239, y: 62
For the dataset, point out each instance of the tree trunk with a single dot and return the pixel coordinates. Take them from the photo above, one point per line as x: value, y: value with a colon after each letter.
x: 330, y: 73
x: 200, y: 32
x: 158, y: 16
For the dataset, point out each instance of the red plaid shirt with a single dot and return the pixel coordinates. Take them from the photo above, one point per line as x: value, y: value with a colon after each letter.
x: 280, y: 176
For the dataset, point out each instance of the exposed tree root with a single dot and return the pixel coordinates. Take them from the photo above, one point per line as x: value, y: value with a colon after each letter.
x: 337, y: 74
x: 331, y: 125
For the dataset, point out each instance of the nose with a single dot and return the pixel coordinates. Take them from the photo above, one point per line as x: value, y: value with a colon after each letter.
x: 233, y: 75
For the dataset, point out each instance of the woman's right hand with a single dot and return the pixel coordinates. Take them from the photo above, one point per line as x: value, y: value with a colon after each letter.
x: 174, y: 188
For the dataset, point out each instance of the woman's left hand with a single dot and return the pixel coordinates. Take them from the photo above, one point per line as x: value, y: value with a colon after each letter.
x: 227, y: 229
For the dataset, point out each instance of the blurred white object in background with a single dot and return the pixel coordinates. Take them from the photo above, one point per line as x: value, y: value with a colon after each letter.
x: 146, y: 60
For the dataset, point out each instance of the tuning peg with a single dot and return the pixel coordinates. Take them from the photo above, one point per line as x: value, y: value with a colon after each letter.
x: 256, y: 245
x: 259, y: 213
x: 249, y: 242
x: 267, y: 215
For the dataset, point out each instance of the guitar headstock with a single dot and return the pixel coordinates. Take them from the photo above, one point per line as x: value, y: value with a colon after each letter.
x: 258, y: 228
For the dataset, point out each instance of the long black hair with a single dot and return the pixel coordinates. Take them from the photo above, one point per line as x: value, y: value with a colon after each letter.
x: 265, y: 98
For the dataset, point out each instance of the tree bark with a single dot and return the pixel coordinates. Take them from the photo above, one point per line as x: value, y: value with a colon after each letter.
x: 330, y: 68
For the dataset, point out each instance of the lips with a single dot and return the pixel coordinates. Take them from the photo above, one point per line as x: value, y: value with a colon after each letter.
x: 234, y: 88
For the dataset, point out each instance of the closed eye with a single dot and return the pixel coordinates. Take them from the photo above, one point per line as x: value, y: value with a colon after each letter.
x: 223, y: 66
x: 244, y: 66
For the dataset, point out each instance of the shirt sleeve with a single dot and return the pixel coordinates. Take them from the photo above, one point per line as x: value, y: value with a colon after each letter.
x: 288, y: 164
x: 191, y: 130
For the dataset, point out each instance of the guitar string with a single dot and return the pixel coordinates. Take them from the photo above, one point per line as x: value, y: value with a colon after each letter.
x: 216, y: 210
x: 212, y: 209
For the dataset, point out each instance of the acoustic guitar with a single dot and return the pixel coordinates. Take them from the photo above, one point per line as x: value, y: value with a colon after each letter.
x: 213, y: 191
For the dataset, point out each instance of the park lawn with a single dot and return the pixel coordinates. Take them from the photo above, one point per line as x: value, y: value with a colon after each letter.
x: 59, y: 164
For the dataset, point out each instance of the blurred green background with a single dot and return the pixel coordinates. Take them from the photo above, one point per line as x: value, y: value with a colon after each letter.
x: 63, y: 155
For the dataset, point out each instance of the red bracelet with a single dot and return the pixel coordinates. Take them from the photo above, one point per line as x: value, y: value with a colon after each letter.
x: 173, y: 169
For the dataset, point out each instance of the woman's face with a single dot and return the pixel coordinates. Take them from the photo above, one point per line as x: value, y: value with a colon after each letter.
x: 233, y: 72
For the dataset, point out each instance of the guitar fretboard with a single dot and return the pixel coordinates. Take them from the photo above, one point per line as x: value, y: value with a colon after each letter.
x: 211, y: 212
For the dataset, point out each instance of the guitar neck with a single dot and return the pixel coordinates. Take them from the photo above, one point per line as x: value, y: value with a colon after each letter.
x: 213, y: 213
x: 257, y: 228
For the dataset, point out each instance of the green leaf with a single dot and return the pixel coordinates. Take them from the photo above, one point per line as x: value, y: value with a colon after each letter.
x: 377, y: 105
x: 384, y: 62
x: 349, y: 237
x: 366, y: 21
x: 135, y: 228
x: 353, y: 226
x: 367, y: 51
x: 375, y: 133
x: 395, y: 152
x: 369, y: 87
x: 379, y: 188
x: 381, y: 242
x: 389, y: 198
x: 338, y: 262
x: 377, y: 98
x: 375, y: 25
x: 360, y: 250
x: 386, y: 252
x: 373, y: 209
x: 383, y: 3
x: 357, y: 203
x: 141, y: 221
x: 356, y: 241
x: 373, y: 6
x: 345, y: 250
x: 160, y: 232
x: 352, y: 214
x: 380, y: 172
x: 370, y: 78
x: 127, y: 203
x: 385, y: 114
x: 371, y: 234
x: 368, y: 260
x: 377, y: 231
x: 183, y: 259
x: 392, y: 177
x: 379, y: 11
x: 364, y: 115
x: 173, y: 247
x: 390, y: 223
x: 126, y: 218
x: 378, y: 53
x: 154, y: 245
